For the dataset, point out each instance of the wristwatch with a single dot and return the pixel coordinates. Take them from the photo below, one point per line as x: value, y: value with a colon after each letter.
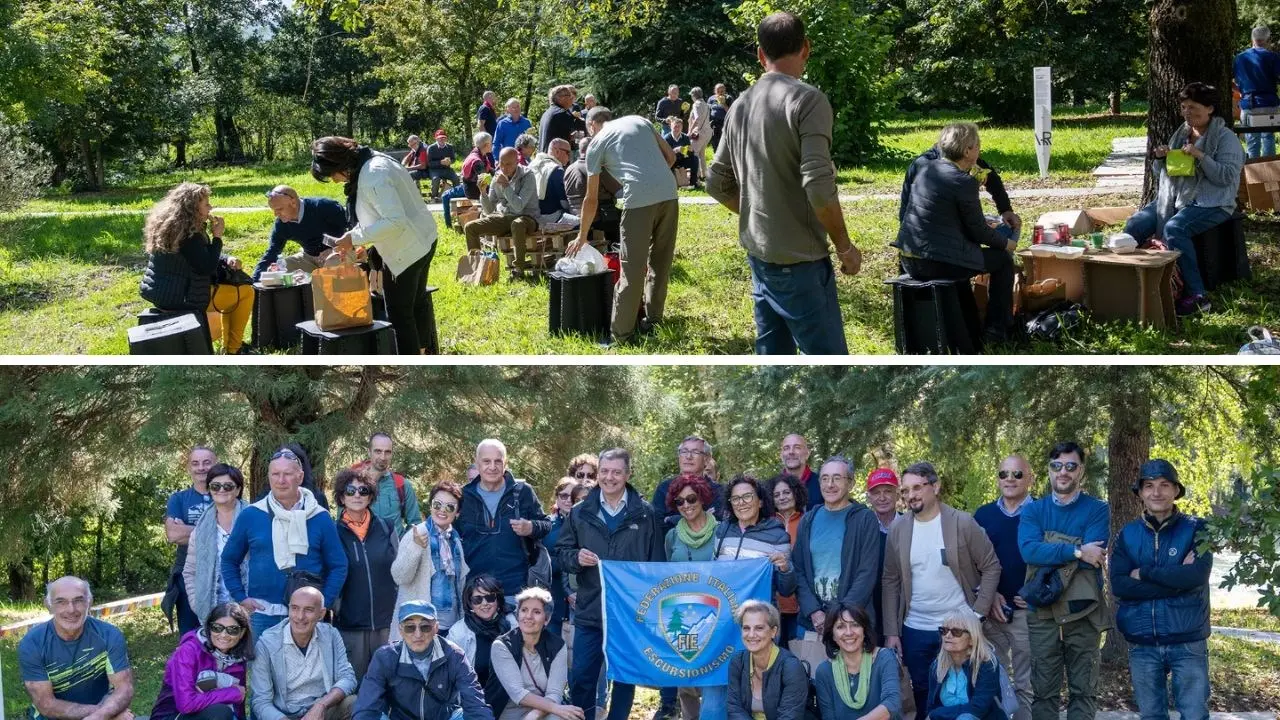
x: 1079, y: 554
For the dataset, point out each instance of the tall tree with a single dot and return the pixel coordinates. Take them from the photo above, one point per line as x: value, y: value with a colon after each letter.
x: 1190, y: 41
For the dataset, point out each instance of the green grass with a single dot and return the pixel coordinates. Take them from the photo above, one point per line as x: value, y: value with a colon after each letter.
x: 1244, y: 675
x: 1246, y: 618
x: 12, y: 612
x: 69, y: 284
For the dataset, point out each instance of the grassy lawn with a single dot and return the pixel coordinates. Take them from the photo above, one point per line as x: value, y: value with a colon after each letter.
x: 1244, y: 675
x: 1246, y: 618
x: 69, y: 284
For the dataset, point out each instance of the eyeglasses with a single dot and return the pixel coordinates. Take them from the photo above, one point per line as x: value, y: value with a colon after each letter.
x: 688, y: 500
x: 361, y: 490
x: 276, y: 193
x: 478, y: 600
x: 742, y: 499
x: 834, y: 479
x: 564, y: 496
x: 690, y: 453
x: 1004, y: 474
x: 417, y: 629
x: 585, y: 475
x: 221, y: 487
x: 1059, y: 466
x: 447, y: 507
x: 232, y: 630
x: 952, y: 631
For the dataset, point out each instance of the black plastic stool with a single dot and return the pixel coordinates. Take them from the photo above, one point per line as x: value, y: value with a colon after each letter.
x: 179, y: 335
x: 375, y: 339
x: 277, y: 310
x: 1221, y: 253
x: 155, y: 314
x: 935, y: 317
x: 430, y: 336
x: 581, y: 303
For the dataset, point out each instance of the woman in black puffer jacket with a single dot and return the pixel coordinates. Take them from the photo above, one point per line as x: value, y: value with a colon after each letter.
x: 184, y: 262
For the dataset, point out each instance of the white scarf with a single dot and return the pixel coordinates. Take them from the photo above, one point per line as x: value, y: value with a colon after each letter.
x: 289, y: 527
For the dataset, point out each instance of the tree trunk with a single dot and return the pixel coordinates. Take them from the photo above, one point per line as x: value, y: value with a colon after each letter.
x: 1113, y: 99
x: 97, y: 552
x: 533, y: 62
x: 180, y: 149
x: 90, y: 171
x: 1128, y: 446
x: 22, y: 584
x: 1189, y: 42
x: 100, y: 168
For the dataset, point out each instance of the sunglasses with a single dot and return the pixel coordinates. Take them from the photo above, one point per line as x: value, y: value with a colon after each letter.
x: 1004, y: 474
x: 361, y: 490
x: 688, y: 500
x: 418, y: 629
x: 1059, y: 466
x: 585, y: 475
x: 285, y: 453
x: 742, y: 499
x: 447, y: 507
x: 232, y: 630
x: 478, y: 600
x: 222, y: 487
x: 952, y: 631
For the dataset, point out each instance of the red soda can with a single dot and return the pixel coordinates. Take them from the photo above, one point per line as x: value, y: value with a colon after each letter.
x: 1037, y: 235
x: 1064, y: 234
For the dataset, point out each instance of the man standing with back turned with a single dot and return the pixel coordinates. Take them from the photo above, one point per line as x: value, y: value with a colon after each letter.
x: 773, y: 168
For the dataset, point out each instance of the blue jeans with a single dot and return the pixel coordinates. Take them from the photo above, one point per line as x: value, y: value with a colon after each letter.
x: 795, y: 306
x: 456, y: 191
x: 1178, y: 231
x: 715, y: 703
x: 1259, y: 144
x: 1188, y: 663
x: 919, y: 649
x: 588, y: 656
x: 261, y: 622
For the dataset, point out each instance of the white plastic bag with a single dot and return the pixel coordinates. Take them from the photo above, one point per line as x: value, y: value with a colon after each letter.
x: 587, y: 261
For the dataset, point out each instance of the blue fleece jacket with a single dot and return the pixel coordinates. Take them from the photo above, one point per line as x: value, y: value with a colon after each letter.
x: 251, y: 535
x: 1168, y: 603
x: 1087, y: 518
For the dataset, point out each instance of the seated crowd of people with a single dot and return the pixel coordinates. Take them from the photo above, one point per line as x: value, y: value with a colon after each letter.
x: 392, y: 607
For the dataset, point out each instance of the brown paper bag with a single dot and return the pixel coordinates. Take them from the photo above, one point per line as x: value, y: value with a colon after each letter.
x: 810, y: 650
x: 478, y: 268
x: 341, y: 297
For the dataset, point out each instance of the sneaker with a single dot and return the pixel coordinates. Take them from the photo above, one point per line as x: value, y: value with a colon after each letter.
x: 666, y: 712
x: 1192, y: 305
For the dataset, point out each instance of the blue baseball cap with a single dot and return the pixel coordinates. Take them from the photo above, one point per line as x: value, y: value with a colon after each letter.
x: 416, y: 608
x: 1158, y: 468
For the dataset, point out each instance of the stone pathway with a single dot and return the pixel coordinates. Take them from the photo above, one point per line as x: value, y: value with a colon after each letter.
x: 1173, y: 715
x: 1124, y: 167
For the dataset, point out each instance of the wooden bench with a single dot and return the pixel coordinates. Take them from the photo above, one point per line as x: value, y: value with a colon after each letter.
x: 544, y: 248
x: 462, y: 211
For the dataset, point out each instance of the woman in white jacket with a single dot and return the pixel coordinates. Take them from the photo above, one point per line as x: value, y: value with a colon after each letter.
x: 699, y: 129
x: 385, y: 211
x: 429, y: 564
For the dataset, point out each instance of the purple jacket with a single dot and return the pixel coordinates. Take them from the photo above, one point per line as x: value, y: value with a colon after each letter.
x: 179, y: 693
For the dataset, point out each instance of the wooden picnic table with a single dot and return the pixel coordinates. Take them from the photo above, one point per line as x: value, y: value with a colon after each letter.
x: 1134, y: 286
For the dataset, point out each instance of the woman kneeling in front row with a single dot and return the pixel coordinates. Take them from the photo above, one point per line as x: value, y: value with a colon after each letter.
x: 765, y: 681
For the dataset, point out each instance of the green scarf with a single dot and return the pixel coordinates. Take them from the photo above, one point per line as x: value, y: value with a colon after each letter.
x: 841, y: 673
x: 696, y: 540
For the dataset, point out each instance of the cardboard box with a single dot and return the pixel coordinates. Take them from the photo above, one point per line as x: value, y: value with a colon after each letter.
x: 1260, y: 185
x: 1083, y: 222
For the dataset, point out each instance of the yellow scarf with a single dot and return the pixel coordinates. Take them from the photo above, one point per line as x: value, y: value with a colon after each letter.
x: 751, y: 665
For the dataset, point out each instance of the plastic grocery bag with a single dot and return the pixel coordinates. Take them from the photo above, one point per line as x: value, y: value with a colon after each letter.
x: 1180, y: 164
x: 587, y: 261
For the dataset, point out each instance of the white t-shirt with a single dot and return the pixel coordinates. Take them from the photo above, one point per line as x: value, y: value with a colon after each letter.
x: 935, y: 594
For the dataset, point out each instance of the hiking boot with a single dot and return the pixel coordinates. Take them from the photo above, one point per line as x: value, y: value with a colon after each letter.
x: 1192, y: 305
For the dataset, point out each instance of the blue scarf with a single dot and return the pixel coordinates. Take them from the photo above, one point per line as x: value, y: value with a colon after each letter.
x: 444, y: 586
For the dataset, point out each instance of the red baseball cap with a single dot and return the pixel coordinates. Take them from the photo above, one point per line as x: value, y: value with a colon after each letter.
x: 882, y: 476
x: 441, y: 134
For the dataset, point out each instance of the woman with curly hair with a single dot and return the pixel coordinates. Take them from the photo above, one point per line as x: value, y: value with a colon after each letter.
x: 385, y: 210
x: 790, y: 498
x: 186, y: 270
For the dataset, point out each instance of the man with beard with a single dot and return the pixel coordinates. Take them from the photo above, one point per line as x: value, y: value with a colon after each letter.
x: 795, y: 462
x: 936, y: 563
x: 1066, y: 533
x: 397, y: 502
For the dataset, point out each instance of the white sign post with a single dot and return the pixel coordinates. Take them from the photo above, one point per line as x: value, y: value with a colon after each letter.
x: 1043, y: 118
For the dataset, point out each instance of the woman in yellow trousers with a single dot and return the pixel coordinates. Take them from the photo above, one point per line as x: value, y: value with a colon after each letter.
x: 230, y: 307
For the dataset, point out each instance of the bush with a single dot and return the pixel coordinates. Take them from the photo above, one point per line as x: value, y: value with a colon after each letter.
x: 24, y: 166
x: 1251, y: 526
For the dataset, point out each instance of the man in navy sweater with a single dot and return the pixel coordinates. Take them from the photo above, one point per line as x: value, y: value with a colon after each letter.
x: 286, y: 535
x: 1067, y: 527
x: 1006, y: 627
x: 1162, y: 585
x: 681, y: 143
x: 305, y: 221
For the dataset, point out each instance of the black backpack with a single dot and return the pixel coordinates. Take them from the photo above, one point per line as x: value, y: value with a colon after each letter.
x: 1051, y: 323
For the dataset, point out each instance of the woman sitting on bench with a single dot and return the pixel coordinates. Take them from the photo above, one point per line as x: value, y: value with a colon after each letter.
x: 186, y: 270
x: 1202, y: 198
x: 944, y: 234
